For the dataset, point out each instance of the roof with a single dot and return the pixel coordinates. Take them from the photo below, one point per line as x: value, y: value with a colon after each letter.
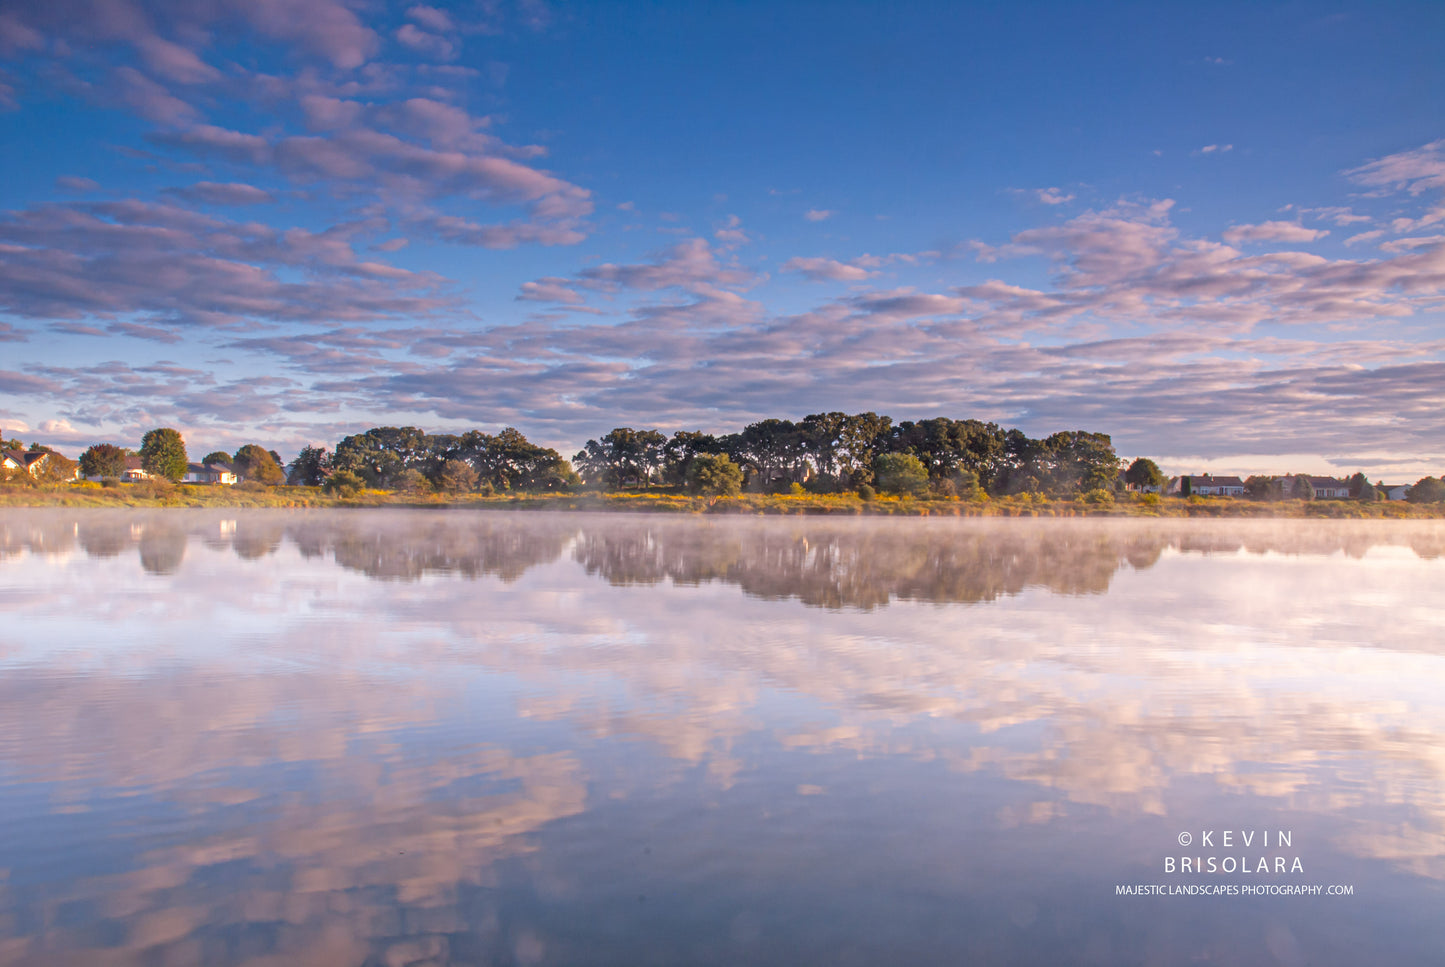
x: 208, y: 468
x: 1322, y: 482
x: 26, y: 458
x: 1206, y: 480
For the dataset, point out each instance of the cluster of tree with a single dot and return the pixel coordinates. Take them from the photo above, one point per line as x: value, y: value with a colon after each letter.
x: 163, y: 454
x: 832, y: 452
x: 406, y: 458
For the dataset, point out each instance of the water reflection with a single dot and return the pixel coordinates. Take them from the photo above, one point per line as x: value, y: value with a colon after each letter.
x: 853, y: 563
x: 490, y: 738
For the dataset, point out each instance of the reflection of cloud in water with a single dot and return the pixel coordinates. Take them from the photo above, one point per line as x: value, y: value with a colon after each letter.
x: 299, y: 722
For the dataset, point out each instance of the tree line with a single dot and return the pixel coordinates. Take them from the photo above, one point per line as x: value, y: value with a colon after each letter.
x: 822, y: 453
x: 831, y: 452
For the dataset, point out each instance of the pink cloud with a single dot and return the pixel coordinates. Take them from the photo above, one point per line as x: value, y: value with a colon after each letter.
x: 1414, y: 171
x: 1272, y: 232
x: 819, y: 214
x: 431, y: 18
x: 826, y: 270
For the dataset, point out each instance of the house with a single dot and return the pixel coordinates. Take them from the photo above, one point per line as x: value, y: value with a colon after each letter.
x: 1325, y: 488
x: 1393, y: 491
x: 1328, y: 488
x: 209, y: 473
x: 1206, y: 485
x: 133, y: 470
x: 31, y: 461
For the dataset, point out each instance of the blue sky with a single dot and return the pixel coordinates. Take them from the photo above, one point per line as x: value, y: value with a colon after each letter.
x: 1216, y: 232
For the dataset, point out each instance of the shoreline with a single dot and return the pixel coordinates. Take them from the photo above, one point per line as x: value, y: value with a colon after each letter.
x: 848, y: 505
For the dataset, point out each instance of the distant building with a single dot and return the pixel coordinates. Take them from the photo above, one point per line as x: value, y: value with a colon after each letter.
x: 1325, y: 488
x: 1205, y: 485
x: 1393, y: 491
x: 133, y: 470
x: 209, y: 473
x: 31, y: 461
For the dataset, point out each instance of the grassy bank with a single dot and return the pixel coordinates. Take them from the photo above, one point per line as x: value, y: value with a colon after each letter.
x: 1022, y: 505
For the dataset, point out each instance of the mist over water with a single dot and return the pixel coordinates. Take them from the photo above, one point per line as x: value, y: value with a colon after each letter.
x: 487, y: 738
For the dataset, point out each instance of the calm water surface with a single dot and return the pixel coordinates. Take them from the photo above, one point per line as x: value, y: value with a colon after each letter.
x: 406, y: 738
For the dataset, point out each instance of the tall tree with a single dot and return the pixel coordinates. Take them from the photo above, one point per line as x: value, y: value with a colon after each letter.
x: 163, y: 453
x: 1427, y: 490
x: 310, y: 468
x: 255, y: 464
x: 103, y: 460
x: 1143, y: 473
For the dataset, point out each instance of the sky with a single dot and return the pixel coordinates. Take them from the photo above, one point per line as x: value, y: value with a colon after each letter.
x: 1215, y: 232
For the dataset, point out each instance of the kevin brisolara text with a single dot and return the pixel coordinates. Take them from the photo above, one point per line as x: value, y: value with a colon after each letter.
x: 1232, y: 889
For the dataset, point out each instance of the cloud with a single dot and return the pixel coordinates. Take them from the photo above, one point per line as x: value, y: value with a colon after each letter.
x: 1272, y: 232
x: 819, y: 214
x: 1212, y: 148
x: 428, y: 44
x: 71, y: 183
x: 166, y: 266
x: 826, y: 270
x: 550, y: 290
x: 1052, y: 196
x: 1415, y: 171
x: 231, y: 193
x: 431, y: 18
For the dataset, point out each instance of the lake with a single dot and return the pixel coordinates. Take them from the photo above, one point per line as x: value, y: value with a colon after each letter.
x: 412, y: 738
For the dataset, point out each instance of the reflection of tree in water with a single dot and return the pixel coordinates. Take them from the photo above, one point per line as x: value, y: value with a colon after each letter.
x: 105, y: 536
x: 162, y: 547
x: 825, y: 563
x: 865, y: 564
x: 406, y: 546
x: 35, y: 533
x: 857, y: 565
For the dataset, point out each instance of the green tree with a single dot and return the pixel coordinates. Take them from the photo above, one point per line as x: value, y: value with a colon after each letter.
x: 103, y: 460
x: 412, y: 481
x: 217, y: 457
x: 457, y: 476
x: 310, y: 468
x: 343, y: 483
x: 56, y: 468
x: 163, y: 453
x: 1302, y: 488
x: 714, y: 474
x: 1427, y: 490
x: 1260, y: 487
x: 1144, y: 472
x: 1358, y: 483
x: 1368, y: 494
x: 622, y: 455
x: 900, y: 473
x: 253, y: 463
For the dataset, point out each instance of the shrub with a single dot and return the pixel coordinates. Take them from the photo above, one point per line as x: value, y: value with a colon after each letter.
x: 714, y: 474
x: 900, y: 473
x: 1099, y: 497
x: 343, y: 483
x: 866, y: 492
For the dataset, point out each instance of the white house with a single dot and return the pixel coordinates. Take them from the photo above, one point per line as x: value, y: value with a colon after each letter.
x: 1393, y: 491
x: 133, y: 470
x: 31, y: 461
x: 1206, y: 485
x: 209, y: 473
